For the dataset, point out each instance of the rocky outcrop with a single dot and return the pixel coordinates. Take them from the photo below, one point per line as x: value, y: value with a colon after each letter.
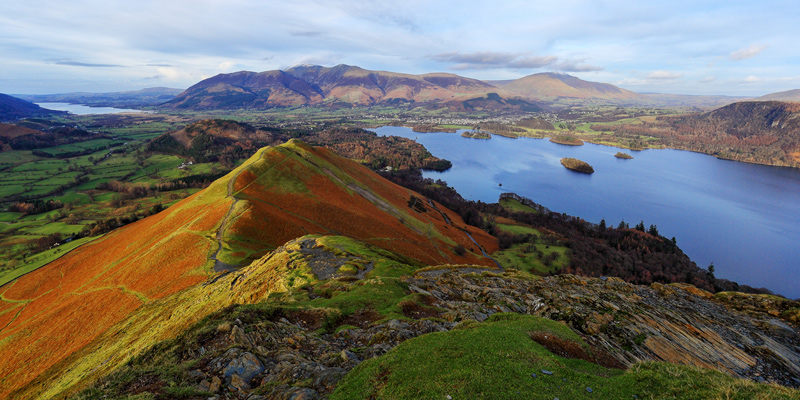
x: 285, y: 359
x: 674, y: 323
x: 287, y: 352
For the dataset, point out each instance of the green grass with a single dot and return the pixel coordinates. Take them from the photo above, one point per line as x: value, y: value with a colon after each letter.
x: 55, y: 227
x: 529, y: 257
x: 496, y: 360
x: 515, y: 205
x: 519, y: 257
x: 518, y: 229
x: 9, y: 216
x: 42, y: 259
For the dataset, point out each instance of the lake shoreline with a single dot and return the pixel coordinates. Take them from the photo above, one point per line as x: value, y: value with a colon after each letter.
x: 732, y: 214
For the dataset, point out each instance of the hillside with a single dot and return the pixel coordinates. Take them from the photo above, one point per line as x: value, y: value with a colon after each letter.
x: 138, y: 273
x: 762, y: 132
x: 19, y: 137
x: 457, y: 331
x: 12, y: 108
x: 789, y: 95
x: 551, y: 86
x: 138, y: 98
x: 228, y: 141
x: 342, y: 85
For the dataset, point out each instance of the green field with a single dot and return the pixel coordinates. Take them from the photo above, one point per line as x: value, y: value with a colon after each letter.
x: 514, y: 205
x: 535, y: 257
x: 74, y: 180
x: 41, y: 259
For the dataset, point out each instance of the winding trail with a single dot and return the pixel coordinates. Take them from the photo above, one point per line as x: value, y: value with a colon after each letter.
x: 221, y: 266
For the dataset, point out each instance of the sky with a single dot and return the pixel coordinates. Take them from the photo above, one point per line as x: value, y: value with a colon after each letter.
x: 741, y: 48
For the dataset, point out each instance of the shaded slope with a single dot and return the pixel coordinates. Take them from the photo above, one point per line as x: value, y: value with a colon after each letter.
x: 12, y: 108
x: 283, y: 192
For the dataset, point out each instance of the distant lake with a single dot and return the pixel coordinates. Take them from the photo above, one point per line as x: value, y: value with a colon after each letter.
x: 745, y: 218
x: 79, y: 109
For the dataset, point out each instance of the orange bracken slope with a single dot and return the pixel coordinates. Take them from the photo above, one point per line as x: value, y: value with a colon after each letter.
x: 279, y: 194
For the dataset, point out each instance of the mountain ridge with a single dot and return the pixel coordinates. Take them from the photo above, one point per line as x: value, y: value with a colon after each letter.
x: 294, y: 188
x: 341, y: 84
x: 553, y: 85
x: 788, y: 95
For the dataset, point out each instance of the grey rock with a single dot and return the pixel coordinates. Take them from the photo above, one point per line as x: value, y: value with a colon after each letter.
x: 196, y: 373
x: 348, y: 355
x: 215, y: 384
x: 397, y: 324
x: 546, y: 372
x: 238, y: 383
x: 247, y: 366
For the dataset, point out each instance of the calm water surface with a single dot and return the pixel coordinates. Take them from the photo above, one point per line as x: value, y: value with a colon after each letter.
x: 744, y: 218
x: 79, y: 109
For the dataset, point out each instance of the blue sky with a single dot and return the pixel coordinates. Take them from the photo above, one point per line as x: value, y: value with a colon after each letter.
x: 743, y: 48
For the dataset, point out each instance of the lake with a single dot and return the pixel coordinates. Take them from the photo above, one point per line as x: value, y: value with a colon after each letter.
x: 79, y: 109
x: 745, y: 218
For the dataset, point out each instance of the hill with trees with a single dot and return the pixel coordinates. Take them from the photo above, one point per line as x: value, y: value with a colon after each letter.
x: 762, y: 132
x: 12, y: 108
x: 229, y: 141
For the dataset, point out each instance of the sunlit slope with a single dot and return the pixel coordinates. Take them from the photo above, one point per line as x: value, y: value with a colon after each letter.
x: 48, y: 314
x: 279, y: 194
x: 294, y: 189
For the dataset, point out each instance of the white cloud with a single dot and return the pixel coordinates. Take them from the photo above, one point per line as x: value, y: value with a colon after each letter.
x: 708, y: 79
x: 78, y: 42
x: 497, y: 60
x: 748, y: 52
x: 226, y: 66
x: 752, y: 79
x: 665, y: 75
x: 633, y: 82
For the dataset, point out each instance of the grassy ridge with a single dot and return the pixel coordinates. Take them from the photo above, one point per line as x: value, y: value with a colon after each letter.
x: 498, y: 359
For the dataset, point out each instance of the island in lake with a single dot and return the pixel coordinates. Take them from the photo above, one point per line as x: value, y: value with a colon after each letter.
x: 568, y: 140
x: 432, y: 129
x: 623, y: 155
x: 577, y: 165
x: 476, y: 135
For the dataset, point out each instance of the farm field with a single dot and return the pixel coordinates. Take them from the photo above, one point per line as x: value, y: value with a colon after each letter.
x: 77, y: 188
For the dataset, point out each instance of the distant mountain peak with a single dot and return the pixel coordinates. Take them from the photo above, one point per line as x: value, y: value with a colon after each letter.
x: 552, y: 85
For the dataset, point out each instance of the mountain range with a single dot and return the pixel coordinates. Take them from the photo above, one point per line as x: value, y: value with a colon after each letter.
x: 345, y: 85
x: 348, y: 86
x: 315, y: 85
